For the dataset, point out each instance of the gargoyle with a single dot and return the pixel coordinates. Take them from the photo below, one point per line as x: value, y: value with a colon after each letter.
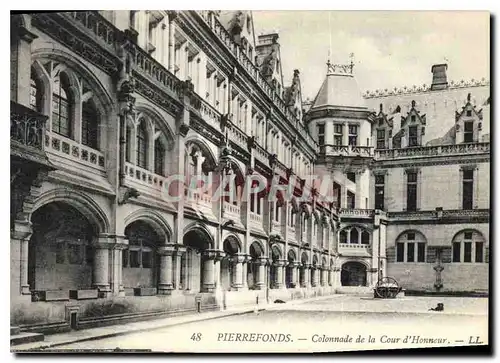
x: 126, y: 193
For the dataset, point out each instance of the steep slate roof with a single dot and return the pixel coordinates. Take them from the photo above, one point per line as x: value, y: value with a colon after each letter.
x: 339, y: 89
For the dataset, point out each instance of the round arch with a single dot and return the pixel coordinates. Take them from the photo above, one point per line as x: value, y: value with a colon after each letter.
x: 80, y: 201
x: 276, y: 252
x: 473, y: 230
x: 199, y: 231
x: 258, y: 247
x: 154, y: 219
x: 417, y: 232
x: 233, y: 244
x: 354, y: 273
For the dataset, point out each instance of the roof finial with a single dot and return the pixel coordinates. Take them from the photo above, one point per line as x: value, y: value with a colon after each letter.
x: 381, y: 108
x: 351, y: 65
x: 468, y: 97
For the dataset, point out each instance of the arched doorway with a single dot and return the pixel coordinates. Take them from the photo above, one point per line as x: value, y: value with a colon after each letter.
x: 140, y: 261
x: 289, y: 275
x: 60, y: 253
x: 255, y: 268
x: 228, y: 279
x: 353, y: 274
x: 200, y: 275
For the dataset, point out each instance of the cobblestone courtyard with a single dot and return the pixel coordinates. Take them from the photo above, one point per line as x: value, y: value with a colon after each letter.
x: 332, y: 324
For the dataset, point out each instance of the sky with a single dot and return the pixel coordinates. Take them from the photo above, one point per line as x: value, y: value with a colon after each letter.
x: 391, y: 48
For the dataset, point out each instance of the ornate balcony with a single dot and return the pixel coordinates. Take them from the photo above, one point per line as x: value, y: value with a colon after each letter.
x: 346, y: 156
x: 62, y: 149
x: 144, y: 180
x: 27, y: 130
x: 356, y: 214
x: 353, y: 249
x: 231, y: 211
x: 440, y: 150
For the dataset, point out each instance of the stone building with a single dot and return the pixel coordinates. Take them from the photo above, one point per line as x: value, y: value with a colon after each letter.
x: 106, y: 107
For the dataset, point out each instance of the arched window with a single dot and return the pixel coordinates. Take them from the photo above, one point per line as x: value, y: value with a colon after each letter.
x: 354, y: 236
x: 142, y: 146
x: 36, y: 92
x: 469, y: 247
x: 411, y: 247
x: 90, y: 125
x: 61, y: 106
x: 159, y: 158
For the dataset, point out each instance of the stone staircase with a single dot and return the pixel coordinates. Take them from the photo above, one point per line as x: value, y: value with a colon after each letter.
x: 18, y: 337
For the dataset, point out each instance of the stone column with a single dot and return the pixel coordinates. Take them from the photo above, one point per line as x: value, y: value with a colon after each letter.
x: 280, y: 265
x: 180, y: 250
x: 245, y: 271
x: 237, y: 282
x: 116, y: 276
x: 19, y: 245
x: 261, y: 262
x: 165, y: 278
x: 208, y: 260
x: 171, y: 40
x: 306, y: 282
x: 330, y: 277
x: 100, y: 272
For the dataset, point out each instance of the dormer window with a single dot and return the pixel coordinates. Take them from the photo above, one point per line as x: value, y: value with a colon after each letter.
x: 413, y: 118
x: 469, y: 131
x: 381, y: 139
x: 413, y: 136
x: 469, y: 113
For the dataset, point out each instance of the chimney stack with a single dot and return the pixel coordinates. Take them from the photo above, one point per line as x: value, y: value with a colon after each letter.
x: 439, y: 80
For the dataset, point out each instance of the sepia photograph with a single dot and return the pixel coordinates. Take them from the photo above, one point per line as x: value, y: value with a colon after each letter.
x: 249, y: 181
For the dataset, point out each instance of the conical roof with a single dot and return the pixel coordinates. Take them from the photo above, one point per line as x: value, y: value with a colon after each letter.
x: 339, y: 90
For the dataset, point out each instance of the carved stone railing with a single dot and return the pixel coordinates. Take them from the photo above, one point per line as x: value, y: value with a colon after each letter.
x: 347, y: 150
x: 145, y: 177
x: 354, y: 246
x: 231, y: 210
x: 146, y: 65
x: 357, y: 213
x: 256, y: 219
x: 261, y: 154
x: 70, y: 149
x: 424, y: 88
x: 236, y: 135
x: 27, y: 127
x: 102, y: 29
x: 440, y: 150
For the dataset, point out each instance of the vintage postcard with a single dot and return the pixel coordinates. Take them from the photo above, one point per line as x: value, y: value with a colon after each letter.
x: 249, y: 181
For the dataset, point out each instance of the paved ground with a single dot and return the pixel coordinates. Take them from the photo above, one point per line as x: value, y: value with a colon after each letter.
x: 330, y: 324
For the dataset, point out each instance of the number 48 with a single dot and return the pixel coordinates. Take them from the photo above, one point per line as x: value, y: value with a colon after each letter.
x: 196, y: 337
